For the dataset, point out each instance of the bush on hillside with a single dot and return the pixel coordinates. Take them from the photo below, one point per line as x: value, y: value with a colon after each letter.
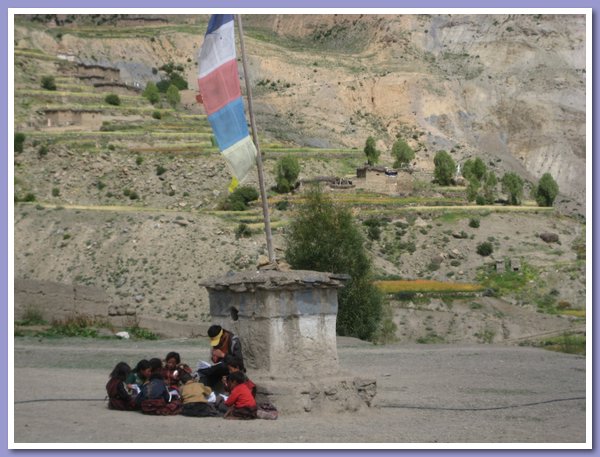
x: 48, y: 83
x: 113, y: 99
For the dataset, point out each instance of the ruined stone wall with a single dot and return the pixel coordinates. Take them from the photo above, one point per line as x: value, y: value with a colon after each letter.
x: 57, y: 301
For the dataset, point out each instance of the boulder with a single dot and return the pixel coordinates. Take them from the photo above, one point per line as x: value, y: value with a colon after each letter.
x: 549, y: 237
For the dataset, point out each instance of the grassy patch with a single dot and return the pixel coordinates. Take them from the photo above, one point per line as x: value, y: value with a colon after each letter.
x: 569, y: 343
x: 424, y: 286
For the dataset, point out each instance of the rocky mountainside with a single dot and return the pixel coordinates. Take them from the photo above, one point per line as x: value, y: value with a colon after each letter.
x: 508, y: 88
x: 124, y: 198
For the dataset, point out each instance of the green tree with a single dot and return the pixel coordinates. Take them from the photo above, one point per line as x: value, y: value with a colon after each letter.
x: 512, y: 184
x: 173, y: 97
x: 371, y: 151
x: 287, y: 170
x: 324, y: 237
x: 489, y: 188
x: 473, y: 189
x: 402, y: 152
x: 48, y: 83
x: 444, y: 168
x: 474, y: 168
x: 546, y: 191
x: 151, y: 93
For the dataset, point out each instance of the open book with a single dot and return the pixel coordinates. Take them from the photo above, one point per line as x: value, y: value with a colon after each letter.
x: 203, y: 364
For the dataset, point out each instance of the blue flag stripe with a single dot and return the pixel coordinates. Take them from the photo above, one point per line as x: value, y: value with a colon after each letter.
x: 229, y: 124
x: 217, y: 20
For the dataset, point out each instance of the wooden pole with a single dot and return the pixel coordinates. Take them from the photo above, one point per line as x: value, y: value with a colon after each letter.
x: 259, y: 165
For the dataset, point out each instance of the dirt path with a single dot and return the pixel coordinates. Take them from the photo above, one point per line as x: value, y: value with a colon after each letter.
x: 425, y: 394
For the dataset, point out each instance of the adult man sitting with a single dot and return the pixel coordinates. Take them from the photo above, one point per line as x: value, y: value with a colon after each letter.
x: 225, y: 347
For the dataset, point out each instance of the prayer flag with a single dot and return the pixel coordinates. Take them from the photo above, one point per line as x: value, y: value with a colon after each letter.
x: 219, y: 84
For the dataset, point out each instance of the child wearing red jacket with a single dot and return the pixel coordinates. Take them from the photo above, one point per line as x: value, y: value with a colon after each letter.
x: 241, y: 402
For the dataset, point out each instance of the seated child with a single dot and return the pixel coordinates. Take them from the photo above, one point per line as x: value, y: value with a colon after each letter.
x: 241, y: 403
x: 139, y: 376
x: 155, y: 397
x: 118, y: 395
x: 194, y: 395
x: 171, y: 362
x: 234, y: 365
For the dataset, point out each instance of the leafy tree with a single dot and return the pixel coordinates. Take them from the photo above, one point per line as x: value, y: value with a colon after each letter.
x: 173, y: 96
x: 151, y: 93
x: 48, y: 83
x: 489, y: 188
x: 287, y: 170
x: 324, y: 237
x: 546, y: 191
x: 113, y: 99
x: 474, y: 168
x: 512, y: 184
x: 403, y: 153
x: 473, y: 189
x: 371, y: 151
x: 444, y: 168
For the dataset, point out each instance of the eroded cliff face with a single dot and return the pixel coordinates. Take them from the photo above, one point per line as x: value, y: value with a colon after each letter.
x: 508, y: 88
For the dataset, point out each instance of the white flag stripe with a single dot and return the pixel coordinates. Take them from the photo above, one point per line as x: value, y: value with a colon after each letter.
x: 218, y: 48
x: 241, y: 157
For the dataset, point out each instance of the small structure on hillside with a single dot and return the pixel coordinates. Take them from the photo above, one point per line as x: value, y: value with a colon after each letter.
x: 385, y: 180
x: 499, y: 266
x: 72, y: 117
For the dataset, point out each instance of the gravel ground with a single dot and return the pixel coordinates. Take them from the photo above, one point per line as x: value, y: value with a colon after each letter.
x: 425, y: 394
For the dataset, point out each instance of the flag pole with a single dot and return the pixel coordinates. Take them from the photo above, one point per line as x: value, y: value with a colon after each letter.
x: 259, y: 164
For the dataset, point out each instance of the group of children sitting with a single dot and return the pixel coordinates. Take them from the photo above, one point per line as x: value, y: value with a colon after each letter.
x: 175, y: 389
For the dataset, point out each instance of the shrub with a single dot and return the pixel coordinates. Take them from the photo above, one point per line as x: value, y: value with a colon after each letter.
x: 100, y: 185
x: 55, y: 191
x: 371, y: 151
x: 139, y: 160
x: 480, y: 200
x: 48, y: 83
x: 287, y: 170
x: 31, y: 316
x: 324, y: 237
x: 43, y: 151
x: 484, y: 249
x: 282, y: 205
x: 474, y: 223
x: 238, y: 200
x: 157, y: 115
x: 160, y: 170
x: 243, y: 231
x: 113, y: 99
x: 133, y: 195
x: 19, y: 140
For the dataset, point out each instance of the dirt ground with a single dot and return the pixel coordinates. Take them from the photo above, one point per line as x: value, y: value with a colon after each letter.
x: 425, y: 394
